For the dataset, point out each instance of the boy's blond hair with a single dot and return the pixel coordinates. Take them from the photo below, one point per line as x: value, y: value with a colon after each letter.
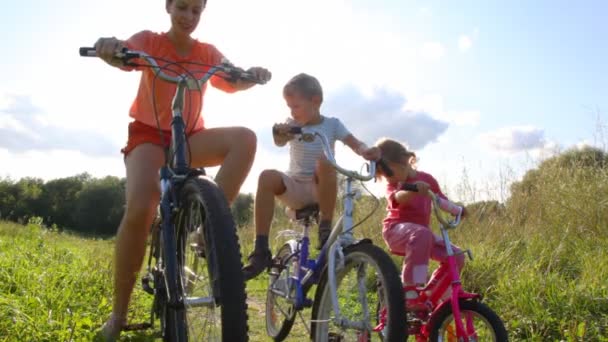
x: 306, y: 85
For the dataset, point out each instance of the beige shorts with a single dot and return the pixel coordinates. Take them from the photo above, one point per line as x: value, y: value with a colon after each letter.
x: 299, y: 191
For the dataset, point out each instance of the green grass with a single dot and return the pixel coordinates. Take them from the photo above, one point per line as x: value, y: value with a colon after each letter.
x: 57, y: 287
x: 541, y: 263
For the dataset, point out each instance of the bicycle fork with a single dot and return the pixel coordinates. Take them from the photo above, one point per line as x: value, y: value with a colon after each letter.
x: 463, y: 333
x: 335, y: 263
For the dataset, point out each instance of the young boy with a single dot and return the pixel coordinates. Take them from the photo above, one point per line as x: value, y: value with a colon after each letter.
x: 310, y: 178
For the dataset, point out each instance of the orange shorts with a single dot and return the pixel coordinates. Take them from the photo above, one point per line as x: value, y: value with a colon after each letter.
x: 140, y: 133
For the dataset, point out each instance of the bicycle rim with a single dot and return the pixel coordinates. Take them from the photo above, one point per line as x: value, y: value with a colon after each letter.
x: 487, y: 325
x: 213, y: 285
x: 280, y: 310
x: 368, y: 277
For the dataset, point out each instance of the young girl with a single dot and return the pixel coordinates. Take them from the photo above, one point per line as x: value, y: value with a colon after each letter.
x: 233, y: 148
x: 406, y: 228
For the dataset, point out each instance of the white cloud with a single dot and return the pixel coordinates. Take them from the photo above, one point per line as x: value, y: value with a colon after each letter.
x: 434, y: 105
x: 432, y: 51
x: 464, y: 43
x: 88, y: 96
x: 518, y: 139
x: 22, y: 130
x: 383, y: 114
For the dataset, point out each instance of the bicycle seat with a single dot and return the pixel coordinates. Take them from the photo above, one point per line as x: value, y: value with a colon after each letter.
x: 308, y: 212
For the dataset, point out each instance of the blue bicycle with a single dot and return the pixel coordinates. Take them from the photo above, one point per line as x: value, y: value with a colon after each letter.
x: 194, y: 263
x: 352, y: 276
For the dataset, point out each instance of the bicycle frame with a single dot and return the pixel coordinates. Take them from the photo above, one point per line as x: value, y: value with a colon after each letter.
x: 172, y: 175
x: 309, y: 271
x: 435, y: 288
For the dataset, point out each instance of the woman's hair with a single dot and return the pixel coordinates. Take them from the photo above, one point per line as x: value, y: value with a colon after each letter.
x: 306, y: 85
x: 395, y: 152
x: 168, y: 2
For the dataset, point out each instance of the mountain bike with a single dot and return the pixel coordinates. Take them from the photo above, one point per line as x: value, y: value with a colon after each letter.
x: 194, y: 261
x: 452, y: 314
x: 351, y: 275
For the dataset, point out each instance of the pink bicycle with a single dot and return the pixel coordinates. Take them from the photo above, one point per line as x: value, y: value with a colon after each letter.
x: 453, y: 314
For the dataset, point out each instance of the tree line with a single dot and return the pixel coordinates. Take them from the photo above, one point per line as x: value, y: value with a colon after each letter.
x: 80, y: 203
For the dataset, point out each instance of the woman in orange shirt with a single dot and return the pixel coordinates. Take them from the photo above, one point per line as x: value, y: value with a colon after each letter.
x: 231, y: 147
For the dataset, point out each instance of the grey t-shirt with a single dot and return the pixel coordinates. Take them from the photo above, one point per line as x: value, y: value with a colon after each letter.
x: 303, y: 155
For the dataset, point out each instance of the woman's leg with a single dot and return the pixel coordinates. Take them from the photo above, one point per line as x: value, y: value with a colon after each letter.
x: 231, y: 147
x: 142, y: 196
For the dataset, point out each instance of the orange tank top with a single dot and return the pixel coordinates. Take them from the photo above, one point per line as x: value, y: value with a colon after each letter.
x: 156, y: 95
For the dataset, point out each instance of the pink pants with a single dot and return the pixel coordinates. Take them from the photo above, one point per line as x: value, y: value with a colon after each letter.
x: 418, y: 244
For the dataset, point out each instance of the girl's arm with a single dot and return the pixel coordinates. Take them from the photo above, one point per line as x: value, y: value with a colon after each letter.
x: 444, y: 203
x: 409, y: 190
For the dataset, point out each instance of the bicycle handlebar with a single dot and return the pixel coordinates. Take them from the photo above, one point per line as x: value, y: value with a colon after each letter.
x: 126, y: 55
x: 309, y: 136
x: 437, y: 206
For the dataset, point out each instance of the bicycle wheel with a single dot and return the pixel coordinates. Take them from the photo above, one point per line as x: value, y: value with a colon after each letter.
x: 209, y: 262
x: 488, y: 325
x: 280, y: 297
x: 368, y: 275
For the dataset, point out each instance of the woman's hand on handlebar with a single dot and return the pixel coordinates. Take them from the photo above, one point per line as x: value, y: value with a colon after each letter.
x: 252, y: 76
x: 107, y: 48
x: 260, y: 74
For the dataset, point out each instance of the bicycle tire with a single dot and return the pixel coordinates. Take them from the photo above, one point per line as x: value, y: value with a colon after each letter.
x: 386, y: 273
x: 280, y: 273
x: 437, y: 324
x: 217, y: 252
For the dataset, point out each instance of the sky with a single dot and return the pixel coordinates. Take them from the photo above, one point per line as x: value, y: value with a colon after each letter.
x: 480, y: 90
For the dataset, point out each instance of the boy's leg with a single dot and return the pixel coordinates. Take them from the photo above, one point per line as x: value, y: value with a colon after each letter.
x: 326, y: 190
x: 231, y: 147
x: 142, y: 195
x: 270, y: 184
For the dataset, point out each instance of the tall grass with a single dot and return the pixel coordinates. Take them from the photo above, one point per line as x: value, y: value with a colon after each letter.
x: 540, y: 259
x: 540, y: 262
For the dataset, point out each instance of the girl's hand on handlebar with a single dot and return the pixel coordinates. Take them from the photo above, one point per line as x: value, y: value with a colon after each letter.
x: 107, y: 48
x: 423, y: 188
x: 465, y: 213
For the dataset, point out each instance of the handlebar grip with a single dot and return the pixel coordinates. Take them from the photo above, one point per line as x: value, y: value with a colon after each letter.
x: 292, y: 130
x: 88, y: 52
x: 251, y: 78
x: 410, y: 187
x: 385, y: 168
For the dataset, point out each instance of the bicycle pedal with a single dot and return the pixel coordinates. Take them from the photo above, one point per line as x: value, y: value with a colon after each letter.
x: 145, y: 284
x: 137, y: 326
x: 307, y: 302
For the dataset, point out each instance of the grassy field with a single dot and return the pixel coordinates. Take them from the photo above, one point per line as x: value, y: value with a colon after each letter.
x: 541, y: 262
